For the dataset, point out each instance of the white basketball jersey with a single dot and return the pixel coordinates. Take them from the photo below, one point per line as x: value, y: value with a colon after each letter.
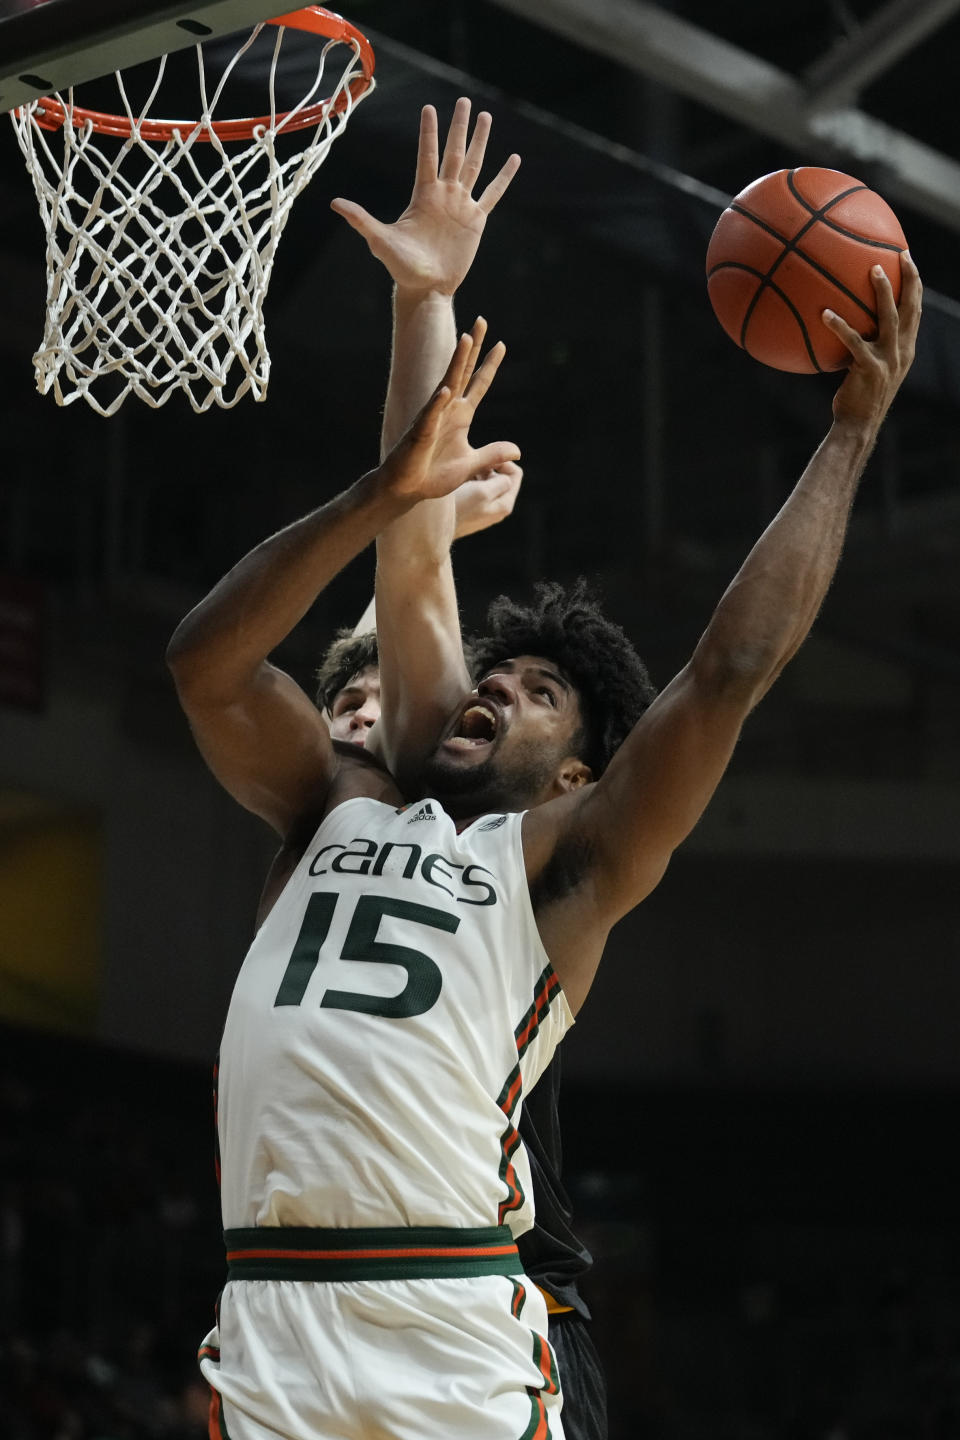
x: 391, y: 1011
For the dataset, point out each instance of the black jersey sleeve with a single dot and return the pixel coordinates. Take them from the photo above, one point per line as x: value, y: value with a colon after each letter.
x: 551, y: 1253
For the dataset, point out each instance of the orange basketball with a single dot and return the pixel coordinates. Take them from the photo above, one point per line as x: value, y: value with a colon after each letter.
x: 790, y: 246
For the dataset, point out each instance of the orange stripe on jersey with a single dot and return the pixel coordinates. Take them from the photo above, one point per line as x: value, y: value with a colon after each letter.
x: 377, y: 1252
x: 510, y: 1099
x: 539, y: 1427
x: 544, y: 992
x: 541, y: 1002
x: 514, y: 1198
x: 216, y: 1423
x: 414, y: 1253
x: 543, y: 1359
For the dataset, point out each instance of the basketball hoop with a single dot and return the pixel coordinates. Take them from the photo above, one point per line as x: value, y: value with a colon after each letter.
x: 161, y: 241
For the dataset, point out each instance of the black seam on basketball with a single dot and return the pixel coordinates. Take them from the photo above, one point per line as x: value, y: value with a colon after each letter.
x: 766, y: 282
x: 861, y: 239
x: 812, y: 209
x: 789, y: 244
x: 790, y: 247
x: 824, y: 218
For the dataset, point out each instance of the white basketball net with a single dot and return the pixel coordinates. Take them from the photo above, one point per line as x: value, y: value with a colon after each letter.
x: 148, y: 296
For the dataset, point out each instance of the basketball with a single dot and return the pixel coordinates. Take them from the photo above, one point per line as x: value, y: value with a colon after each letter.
x: 790, y: 246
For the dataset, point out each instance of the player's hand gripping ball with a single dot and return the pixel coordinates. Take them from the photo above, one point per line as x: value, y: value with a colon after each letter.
x: 788, y: 247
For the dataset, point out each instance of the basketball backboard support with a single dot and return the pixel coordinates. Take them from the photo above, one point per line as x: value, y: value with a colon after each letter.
x: 49, y: 45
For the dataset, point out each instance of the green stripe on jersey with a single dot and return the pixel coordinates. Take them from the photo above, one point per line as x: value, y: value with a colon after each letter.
x: 539, y: 1426
x: 418, y: 1252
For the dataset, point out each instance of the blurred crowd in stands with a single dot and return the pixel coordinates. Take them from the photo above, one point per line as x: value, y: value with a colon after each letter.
x: 730, y: 1303
x: 63, y: 1387
x: 110, y: 1256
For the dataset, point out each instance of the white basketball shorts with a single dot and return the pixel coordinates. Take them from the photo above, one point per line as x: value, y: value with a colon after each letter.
x: 397, y: 1355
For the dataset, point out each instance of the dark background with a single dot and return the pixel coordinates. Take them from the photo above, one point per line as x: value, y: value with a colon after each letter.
x: 760, y: 1095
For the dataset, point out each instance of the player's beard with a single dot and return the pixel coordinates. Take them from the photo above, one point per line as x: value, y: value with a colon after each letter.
x: 498, y: 782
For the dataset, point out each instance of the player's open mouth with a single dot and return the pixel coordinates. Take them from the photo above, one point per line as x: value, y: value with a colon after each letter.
x: 477, y: 726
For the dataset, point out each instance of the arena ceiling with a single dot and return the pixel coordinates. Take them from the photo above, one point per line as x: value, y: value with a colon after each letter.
x: 837, y: 79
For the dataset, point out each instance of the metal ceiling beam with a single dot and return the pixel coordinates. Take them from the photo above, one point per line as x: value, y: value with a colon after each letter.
x: 858, y: 59
x: 754, y: 93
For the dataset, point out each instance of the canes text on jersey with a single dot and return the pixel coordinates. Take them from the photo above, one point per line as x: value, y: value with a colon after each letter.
x: 407, y: 861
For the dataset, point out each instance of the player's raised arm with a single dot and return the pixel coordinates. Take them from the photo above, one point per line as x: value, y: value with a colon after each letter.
x: 660, y: 780
x: 260, y: 734
x: 428, y: 252
x: 415, y: 628
x: 478, y: 505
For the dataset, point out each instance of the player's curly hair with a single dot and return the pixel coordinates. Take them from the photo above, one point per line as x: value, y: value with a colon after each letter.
x: 567, y: 626
x: 346, y: 657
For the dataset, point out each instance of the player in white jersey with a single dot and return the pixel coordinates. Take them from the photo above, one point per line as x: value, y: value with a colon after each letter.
x: 402, y: 1237
x: 385, y: 973
x: 305, y: 1355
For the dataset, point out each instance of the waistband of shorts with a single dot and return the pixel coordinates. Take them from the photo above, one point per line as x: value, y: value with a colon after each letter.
x: 414, y: 1253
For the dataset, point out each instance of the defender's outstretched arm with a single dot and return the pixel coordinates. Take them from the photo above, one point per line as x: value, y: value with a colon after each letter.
x: 428, y: 252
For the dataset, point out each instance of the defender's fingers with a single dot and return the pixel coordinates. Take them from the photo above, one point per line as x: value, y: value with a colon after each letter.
x: 473, y: 160
x: 498, y: 185
x: 497, y: 484
x: 512, y: 477
x: 428, y: 149
x: 355, y: 216
x: 456, y: 145
x: 503, y: 487
x: 483, y: 379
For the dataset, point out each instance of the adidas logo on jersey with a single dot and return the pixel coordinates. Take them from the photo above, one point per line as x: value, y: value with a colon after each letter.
x: 425, y: 812
x: 495, y: 823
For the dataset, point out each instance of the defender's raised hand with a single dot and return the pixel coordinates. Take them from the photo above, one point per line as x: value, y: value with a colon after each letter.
x: 878, y: 366
x: 435, y: 457
x: 487, y: 500
x: 432, y: 244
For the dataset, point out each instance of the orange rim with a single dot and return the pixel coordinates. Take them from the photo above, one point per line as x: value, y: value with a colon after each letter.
x: 51, y: 113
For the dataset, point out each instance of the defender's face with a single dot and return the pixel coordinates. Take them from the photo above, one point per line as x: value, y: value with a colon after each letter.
x: 356, y: 707
x: 516, y: 727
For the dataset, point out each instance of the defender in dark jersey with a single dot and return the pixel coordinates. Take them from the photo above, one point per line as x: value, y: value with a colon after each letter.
x: 556, y: 1259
